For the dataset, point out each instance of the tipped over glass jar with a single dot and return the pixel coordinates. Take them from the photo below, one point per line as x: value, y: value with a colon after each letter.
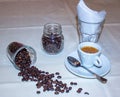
x: 22, y: 56
x: 52, y: 38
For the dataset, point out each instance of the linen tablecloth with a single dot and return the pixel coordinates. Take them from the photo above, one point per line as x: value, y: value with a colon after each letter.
x: 23, y: 20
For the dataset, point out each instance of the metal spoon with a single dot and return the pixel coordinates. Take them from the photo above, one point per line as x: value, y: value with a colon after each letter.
x: 74, y: 62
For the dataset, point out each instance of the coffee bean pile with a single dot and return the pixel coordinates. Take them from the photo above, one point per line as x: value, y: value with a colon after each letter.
x: 14, y: 46
x: 46, y: 81
x: 22, y: 59
x: 52, y: 44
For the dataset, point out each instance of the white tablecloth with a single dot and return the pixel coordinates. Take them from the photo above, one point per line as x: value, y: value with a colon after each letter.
x: 23, y: 21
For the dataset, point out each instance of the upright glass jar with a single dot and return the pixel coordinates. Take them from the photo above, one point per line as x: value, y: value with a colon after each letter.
x: 52, y: 39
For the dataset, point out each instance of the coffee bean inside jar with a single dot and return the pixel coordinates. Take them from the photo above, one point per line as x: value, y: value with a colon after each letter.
x: 22, y: 56
x: 52, y: 39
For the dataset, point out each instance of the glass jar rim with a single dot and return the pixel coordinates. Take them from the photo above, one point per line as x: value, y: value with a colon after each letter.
x: 52, y: 28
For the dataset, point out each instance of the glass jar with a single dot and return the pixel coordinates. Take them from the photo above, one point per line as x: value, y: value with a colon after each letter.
x: 22, y: 56
x: 52, y: 39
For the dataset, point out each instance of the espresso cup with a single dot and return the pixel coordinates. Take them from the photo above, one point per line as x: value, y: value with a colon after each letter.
x: 89, y: 54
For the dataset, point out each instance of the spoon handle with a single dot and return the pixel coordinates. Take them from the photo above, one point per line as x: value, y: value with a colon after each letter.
x: 100, y: 78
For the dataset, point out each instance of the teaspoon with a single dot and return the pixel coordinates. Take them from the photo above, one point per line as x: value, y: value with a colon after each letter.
x: 74, y: 62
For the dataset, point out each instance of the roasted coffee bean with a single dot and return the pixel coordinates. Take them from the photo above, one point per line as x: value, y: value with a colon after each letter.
x: 38, y: 92
x: 67, y: 90
x: 73, y: 83
x: 79, y: 90
x: 56, y: 92
x: 86, y: 93
x: 59, y: 77
x: 57, y: 73
x: 70, y: 88
x: 39, y: 84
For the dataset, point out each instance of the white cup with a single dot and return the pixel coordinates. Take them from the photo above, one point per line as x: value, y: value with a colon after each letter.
x: 89, y: 54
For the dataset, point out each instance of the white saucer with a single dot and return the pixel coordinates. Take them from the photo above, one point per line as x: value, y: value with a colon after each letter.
x: 79, y: 71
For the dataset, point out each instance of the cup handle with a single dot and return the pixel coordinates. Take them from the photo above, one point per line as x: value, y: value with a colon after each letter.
x: 98, y: 62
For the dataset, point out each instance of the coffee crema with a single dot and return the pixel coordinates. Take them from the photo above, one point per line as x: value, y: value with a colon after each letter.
x: 89, y: 49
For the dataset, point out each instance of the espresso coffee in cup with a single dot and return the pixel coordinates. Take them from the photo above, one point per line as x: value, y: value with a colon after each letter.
x: 89, y: 49
x: 89, y: 54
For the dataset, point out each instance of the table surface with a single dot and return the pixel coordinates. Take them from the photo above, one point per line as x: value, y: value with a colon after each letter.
x: 23, y: 21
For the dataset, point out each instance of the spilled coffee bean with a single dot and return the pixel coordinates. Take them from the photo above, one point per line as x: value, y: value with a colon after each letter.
x: 79, y: 90
x: 47, y: 81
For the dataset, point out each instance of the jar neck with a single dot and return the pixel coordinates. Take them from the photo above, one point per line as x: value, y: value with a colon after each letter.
x: 52, y: 29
